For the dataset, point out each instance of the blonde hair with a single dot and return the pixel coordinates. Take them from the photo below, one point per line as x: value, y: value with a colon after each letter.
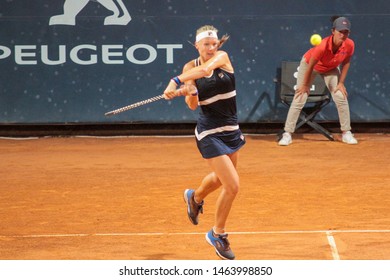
x: 223, y: 39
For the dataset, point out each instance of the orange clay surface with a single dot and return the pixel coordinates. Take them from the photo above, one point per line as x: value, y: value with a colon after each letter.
x: 121, y: 198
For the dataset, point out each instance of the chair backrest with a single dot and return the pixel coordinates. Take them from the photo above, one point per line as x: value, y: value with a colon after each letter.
x: 288, y: 79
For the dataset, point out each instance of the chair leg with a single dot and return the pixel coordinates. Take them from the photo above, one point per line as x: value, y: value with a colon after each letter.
x: 320, y: 129
x: 307, y: 119
x: 279, y: 135
x: 307, y: 116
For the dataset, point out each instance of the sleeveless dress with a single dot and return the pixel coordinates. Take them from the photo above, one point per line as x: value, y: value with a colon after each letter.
x: 217, y: 131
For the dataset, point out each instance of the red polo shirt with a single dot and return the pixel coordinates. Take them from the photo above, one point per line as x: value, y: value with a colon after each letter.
x: 327, y: 60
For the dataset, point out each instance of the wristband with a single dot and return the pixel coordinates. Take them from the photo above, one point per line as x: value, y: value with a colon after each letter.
x: 176, y: 80
x: 195, y: 93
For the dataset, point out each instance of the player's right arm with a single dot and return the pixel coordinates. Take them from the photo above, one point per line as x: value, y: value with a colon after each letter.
x: 188, y: 89
x: 191, y: 97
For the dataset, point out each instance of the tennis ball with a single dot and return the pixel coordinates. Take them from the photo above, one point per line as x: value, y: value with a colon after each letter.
x: 315, y: 39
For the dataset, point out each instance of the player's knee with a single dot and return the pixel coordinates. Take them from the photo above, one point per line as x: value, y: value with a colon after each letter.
x: 232, y: 189
x: 215, y: 179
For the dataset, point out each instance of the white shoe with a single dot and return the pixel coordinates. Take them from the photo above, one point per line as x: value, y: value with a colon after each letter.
x: 348, y: 138
x: 286, y: 139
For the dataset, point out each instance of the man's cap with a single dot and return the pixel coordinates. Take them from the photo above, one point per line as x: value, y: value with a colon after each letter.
x: 342, y: 23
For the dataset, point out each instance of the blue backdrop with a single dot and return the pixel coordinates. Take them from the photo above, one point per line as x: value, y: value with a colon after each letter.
x: 53, y: 70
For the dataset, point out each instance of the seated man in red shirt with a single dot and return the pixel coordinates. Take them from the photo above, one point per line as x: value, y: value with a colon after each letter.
x: 330, y: 59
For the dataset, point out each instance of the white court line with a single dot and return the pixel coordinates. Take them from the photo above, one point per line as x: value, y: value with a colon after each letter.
x: 327, y: 232
x: 332, y: 244
x: 19, y: 139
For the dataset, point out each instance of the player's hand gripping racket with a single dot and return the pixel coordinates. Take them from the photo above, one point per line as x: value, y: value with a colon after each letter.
x: 191, y: 89
x: 134, y: 105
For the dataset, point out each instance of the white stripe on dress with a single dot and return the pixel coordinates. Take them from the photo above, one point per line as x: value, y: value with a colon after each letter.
x: 217, y: 97
x: 205, y: 133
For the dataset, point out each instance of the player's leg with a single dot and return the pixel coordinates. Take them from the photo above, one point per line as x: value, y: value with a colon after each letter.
x: 195, y: 198
x: 209, y: 184
x: 225, y: 168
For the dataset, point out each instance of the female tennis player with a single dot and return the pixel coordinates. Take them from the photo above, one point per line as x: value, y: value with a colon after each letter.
x: 209, y: 82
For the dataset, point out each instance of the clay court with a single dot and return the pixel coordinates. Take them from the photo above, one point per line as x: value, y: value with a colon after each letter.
x: 87, y: 198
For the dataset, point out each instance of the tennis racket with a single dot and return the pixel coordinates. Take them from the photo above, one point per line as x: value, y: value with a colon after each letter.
x: 134, y: 105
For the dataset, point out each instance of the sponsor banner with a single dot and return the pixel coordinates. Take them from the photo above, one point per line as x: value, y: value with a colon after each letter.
x: 71, y: 61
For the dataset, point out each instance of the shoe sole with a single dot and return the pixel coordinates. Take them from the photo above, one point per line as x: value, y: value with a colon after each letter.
x: 188, y: 210
x: 349, y: 143
x: 216, y: 251
x: 282, y: 144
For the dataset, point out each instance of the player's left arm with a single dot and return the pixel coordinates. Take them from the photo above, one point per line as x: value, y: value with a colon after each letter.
x: 219, y: 60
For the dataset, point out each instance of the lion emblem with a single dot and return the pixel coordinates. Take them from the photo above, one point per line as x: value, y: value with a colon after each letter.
x: 120, y: 15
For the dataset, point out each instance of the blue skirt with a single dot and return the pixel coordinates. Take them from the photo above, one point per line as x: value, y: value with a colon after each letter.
x: 222, y: 143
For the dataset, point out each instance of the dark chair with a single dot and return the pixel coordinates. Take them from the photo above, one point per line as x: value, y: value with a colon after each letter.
x: 318, y: 98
